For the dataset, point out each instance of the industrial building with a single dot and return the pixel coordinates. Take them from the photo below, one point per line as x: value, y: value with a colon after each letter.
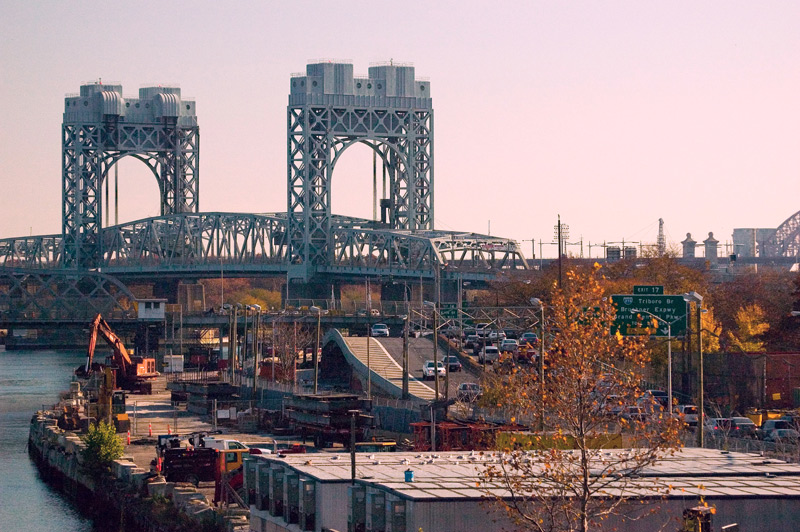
x: 404, y: 492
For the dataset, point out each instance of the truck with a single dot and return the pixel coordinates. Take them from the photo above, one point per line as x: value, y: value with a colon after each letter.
x: 327, y: 417
x: 199, y: 464
x: 222, y: 444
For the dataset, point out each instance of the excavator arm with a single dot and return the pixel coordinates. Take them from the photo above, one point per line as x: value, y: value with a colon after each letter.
x: 100, y: 327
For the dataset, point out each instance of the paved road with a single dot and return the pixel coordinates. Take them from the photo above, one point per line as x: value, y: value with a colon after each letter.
x: 420, y: 350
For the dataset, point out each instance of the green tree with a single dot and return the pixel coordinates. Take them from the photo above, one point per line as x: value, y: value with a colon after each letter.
x: 573, y: 482
x: 103, y: 446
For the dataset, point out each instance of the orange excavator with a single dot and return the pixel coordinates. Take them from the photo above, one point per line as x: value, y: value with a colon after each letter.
x: 131, y: 372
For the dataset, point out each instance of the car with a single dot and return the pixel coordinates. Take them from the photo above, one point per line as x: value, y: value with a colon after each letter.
x: 783, y: 436
x: 632, y: 414
x: 743, y: 427
x: 453, y: 331
x: 718, y: 426
x: 529, y: 338
x: 482, y: 329
x: 453, y: 363
x: 489, y: 355
x: 496, y: 336
x: 428, y: 371
x: 471, y: 341
x: 659, y: 396
x: 509, y: 345
x: 689, y: 414
x: 772, y: 424
x: 468, y: 392
x: 380, y: 329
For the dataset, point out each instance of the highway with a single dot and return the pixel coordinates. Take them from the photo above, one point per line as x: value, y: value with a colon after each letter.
x: 420, y: 350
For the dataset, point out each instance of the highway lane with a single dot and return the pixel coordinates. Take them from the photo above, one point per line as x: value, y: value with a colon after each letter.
x: 420, y: 350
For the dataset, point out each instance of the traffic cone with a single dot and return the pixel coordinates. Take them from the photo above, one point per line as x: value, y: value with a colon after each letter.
x: 168, y: 431
x: 158, y: 465
x: 150, y: 429
x: 129, y: 437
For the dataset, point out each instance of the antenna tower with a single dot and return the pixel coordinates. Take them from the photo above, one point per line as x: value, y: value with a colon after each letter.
x: 661, y: 242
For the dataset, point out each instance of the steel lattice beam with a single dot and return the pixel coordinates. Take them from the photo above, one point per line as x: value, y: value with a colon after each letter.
x: 62, y: 295
x: 786, y: 240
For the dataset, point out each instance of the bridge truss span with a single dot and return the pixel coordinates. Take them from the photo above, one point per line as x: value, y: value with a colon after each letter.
x: 200, y: 243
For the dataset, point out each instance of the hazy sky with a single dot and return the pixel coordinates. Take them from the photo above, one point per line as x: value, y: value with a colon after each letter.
x: 612, y: 114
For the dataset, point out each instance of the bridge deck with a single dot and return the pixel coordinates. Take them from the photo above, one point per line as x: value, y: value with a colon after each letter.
x: 383, y: 365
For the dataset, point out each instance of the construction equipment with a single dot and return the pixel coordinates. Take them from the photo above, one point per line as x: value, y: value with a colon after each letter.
x: 131, y: 373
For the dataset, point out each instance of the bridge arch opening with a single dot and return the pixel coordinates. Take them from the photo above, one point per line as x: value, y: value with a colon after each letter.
x: 130, y: 191
x: 361, y: 169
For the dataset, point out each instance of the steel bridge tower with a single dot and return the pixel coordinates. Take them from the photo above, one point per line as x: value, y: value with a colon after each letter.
x: 100, y: 127
x: 330, y: 110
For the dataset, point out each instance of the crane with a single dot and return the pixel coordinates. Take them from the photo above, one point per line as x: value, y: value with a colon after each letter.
x: 131, y: 370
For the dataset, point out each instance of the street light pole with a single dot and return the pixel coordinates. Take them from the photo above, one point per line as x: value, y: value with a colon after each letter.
x: 696, y: 298
x: 316, y: 350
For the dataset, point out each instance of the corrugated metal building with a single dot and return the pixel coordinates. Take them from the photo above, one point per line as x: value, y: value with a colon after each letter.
x: 314, y: 492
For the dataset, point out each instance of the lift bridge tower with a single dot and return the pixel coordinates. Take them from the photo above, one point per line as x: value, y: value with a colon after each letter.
x: 100, y: 127
x: 330, y: 110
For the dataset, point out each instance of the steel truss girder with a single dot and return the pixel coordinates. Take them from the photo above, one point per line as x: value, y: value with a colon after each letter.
x: 89, y: 150
x: 422, y: 252
x: 31, y: 252
x: 62, y: 295
x: 786, y: 240
x: 257, y: 242
x: 317, y: 136
x: 184, y: 241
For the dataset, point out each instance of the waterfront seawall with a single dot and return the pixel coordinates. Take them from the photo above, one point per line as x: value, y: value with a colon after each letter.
x: 131, y: 496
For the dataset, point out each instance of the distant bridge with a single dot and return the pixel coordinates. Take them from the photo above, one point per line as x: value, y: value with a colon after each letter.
x: 329, y: 110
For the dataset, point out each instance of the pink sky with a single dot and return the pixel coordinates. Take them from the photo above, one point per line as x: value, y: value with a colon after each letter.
x: 612, y: 114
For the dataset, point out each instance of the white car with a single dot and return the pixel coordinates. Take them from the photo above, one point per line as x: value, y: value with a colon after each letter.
x: 489, y: 354
x: 689, y: 413
x: 380, y: 329
x: 509, y: 345
x: 428, y: 371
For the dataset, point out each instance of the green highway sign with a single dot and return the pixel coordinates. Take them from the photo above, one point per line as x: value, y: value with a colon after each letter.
x: 650, y: 290
x: 448, y: 311
x: 632, y: 316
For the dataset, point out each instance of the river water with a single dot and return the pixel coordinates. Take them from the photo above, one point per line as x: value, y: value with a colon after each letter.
x: 28, y: 380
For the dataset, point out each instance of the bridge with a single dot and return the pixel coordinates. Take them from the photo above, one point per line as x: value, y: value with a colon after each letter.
x: 390, y: 110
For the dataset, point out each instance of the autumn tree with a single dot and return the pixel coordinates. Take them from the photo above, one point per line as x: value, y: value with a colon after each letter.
x: 572, y: 480
x: 750, y: 329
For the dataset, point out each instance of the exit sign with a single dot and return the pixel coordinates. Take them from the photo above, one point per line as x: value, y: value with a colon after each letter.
x: 648, y: 290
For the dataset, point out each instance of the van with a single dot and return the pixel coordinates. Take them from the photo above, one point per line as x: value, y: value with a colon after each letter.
x: 489, y: 354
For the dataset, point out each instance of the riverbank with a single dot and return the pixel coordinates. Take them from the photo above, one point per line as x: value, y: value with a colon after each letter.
x: 131, y: 496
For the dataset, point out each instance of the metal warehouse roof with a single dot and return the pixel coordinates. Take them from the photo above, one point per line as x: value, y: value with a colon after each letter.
x: 455, y: 475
